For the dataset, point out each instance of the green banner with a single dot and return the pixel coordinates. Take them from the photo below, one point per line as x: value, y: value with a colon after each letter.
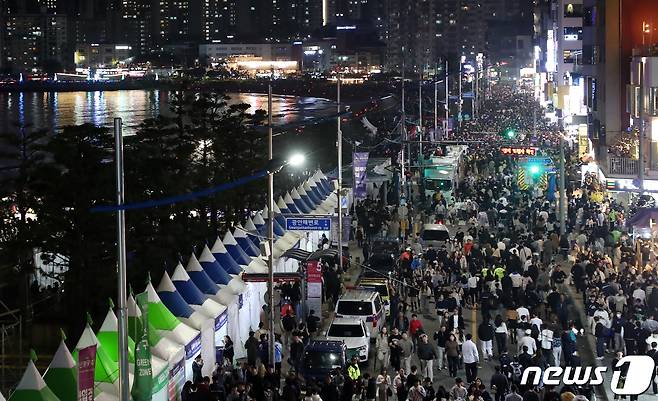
x: 143, y: 384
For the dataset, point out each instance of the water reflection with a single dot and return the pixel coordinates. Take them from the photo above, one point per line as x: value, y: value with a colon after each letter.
x: 54, y: 110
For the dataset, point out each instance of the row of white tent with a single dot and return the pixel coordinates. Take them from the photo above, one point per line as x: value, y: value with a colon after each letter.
x: 191, y: 311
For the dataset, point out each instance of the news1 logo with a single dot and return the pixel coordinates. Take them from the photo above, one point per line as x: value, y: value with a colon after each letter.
x: 640, y: 368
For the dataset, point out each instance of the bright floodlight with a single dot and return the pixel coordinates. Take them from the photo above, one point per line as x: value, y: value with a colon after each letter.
x: 534, y: 169
x: 297, y: 159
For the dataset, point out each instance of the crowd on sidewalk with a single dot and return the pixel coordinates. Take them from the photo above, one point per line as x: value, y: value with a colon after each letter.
x: 505, y: 260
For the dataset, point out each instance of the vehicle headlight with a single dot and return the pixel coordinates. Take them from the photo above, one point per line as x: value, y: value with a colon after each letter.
x: 363, y: 350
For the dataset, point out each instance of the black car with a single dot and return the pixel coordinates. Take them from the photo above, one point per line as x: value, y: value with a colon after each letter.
x: 379, y: 265
x: 385, y: 245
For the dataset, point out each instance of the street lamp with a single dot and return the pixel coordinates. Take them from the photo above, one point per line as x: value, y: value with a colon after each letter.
x: 297, y: 159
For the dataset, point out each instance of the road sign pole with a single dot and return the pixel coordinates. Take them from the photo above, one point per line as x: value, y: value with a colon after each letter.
x: 563, y: 195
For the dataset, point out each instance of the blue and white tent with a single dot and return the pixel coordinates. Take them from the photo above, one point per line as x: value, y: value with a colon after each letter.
x: 235, y: 250
x: 302, y: 206
x: 310, y: 193
x: 258, y: 220
x: 231, y: 282
x: 240, y: 235
x: 172, y: 299
x: 252, y: 233
x: 224, y: 258
x: 193, y: 296
x: 290, y: 204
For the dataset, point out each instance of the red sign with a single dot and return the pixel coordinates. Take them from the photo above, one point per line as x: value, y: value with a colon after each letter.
x: 86, y: 369
x: 518, y: 151
x: 314, y: 272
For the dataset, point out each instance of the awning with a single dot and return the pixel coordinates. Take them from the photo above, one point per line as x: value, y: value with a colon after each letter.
x: 305, y: 256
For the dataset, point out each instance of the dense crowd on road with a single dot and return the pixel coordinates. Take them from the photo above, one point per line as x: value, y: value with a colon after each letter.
x: 505, y: 263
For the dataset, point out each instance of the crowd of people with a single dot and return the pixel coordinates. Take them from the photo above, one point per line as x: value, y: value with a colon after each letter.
x: 507, y: 261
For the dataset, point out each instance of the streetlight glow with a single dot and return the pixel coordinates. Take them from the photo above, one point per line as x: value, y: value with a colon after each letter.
x: 297, y: 159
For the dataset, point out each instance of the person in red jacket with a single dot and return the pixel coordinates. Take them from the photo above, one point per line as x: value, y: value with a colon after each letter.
x: 415, y: 327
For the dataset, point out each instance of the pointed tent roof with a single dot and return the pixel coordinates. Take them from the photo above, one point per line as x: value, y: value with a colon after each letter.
x: 317, y: 189
x: 290, y: 203
x: 240, y: 235
x: 225, y: 294
x: 32, y: 387
x: 108, y: 336
x: 196, y: 269
x: 252, y: 233
x: 224, y: 259
x: 322, y: 181
x: 177, y: 305
x: 106, y: 369
x: 315, y: 197
x: 61, y: 375
x: 283, y: 207
x: 2, y: 397
x: 311, y: 203
x: 236, y: 251
x: 163, y: 320
x: 134, y: 318
x: 161, y: 347
x: 193, y: 296
x: 249, y: 225
x: 299, y: 202
x: 258, y: 219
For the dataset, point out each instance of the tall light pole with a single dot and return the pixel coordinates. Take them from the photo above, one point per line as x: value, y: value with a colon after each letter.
x: 563, y: 194
x: 403, y: 134
x: 339, y: 139
x: 122, y: 320
x: 270, y: 222
x: 420, y: 119
x: 436, y: 117
x: 447, y: 105
x: 641, y: 133
x: 459, y: 111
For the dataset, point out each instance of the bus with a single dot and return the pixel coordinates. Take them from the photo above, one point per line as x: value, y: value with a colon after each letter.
x: 444, y: 172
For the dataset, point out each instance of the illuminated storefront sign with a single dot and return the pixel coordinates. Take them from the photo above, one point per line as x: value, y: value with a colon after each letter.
x: 518, y: 151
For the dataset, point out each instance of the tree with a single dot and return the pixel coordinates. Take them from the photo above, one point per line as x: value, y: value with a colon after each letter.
x: 23, y: 152
x: 77, y: 177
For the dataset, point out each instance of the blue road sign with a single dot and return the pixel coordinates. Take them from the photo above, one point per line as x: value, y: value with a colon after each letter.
x: 308, y: 223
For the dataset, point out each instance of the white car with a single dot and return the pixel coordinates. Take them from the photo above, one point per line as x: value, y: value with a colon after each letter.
x: 354, y: 334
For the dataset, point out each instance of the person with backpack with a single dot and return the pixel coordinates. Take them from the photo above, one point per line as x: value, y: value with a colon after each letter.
x: 288, y: 323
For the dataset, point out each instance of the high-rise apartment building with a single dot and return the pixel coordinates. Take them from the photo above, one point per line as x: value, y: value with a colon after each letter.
x: 34, y: 42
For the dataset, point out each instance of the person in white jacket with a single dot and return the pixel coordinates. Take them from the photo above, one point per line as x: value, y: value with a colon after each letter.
x: 528, y: 341
x: 471, y: 358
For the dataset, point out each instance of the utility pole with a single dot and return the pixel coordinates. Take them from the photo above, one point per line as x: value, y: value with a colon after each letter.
x: 641, y: 134
x: 447, y: 105
x: 436, y: 110
x: 339, y: 134
x: 420, y: 120
x: 403, y: 134
x: 270, y: 224
x: 563, y: 193
x: 459, y: 110
x: 475, y: 95
x: 124, y: 381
